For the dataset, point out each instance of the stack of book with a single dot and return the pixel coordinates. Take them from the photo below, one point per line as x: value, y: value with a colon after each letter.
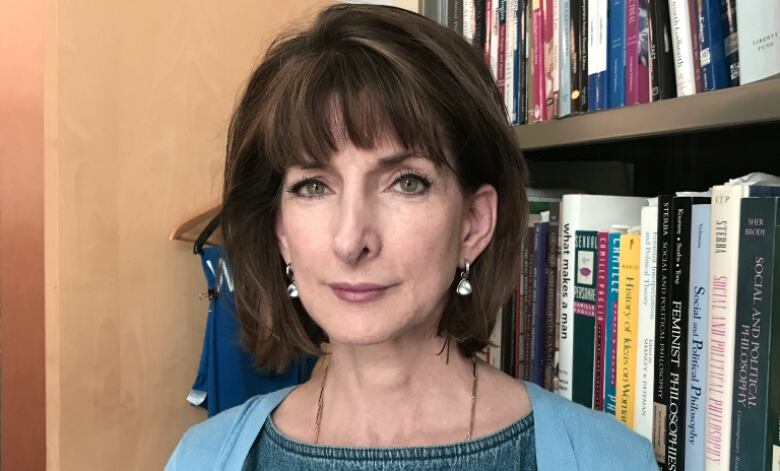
x: 556, y: 58
x: 664, y: 312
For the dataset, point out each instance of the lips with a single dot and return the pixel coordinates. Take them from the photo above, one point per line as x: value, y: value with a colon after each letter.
x: 358, y: 292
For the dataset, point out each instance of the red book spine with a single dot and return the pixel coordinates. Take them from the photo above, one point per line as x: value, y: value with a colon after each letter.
x: 540, y: 95
x: 600, y: 333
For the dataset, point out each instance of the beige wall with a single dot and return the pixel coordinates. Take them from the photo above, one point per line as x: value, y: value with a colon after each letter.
x: 137, y: 100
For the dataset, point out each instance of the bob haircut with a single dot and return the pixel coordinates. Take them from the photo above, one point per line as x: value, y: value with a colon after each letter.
x: 364, y: 73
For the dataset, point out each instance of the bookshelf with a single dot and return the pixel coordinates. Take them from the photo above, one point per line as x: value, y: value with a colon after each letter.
x: 752, y: 104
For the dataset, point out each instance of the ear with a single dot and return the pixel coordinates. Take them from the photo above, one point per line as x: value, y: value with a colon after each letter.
x: 479, y: 223
x: 281, y: 238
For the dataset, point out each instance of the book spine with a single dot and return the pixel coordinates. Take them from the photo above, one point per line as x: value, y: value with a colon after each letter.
x: 501, y: 49
x: 564, y: 54
x: 602, y: 49
x: 575, y: 61
x: 599, y: 341
x: 586, y: 274
x: 682, y: 47
x: 617, y: 53
x: 698, y: 299
x: 528, y: 312
x: 540, y: 289
x: 554, y: 53
x: 510, y: 96
x: 629, y: 285
x: 592, y: 27
x: 584, y: 56
x: 643, y: 51
x: 488, y: 14
x: 507, y: 335
x: 721, y: 327
x: 728, y: 24
x: 522, y: 62
x: 495, y: 42
x: 678, y: 334
x: 548, y: 55
x: 570, y: 209
x: 551, y: 304
x: 663, y: 84
x: 455, y: 15
x: 773, y: 417
x: 520, y: 333
x: 693, y: 20
x: 661, y: 360
x: 759, y: 40
x: 632, y: 52
x: 643, y: 408
x: 613, y: 321
x: 712, y: 59
x: 754, y: 321
x: 539, y: 109
x: 479, y: 25
x: 468, y: 20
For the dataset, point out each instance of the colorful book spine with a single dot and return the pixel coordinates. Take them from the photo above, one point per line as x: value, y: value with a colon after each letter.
x: 632, y: 52
x: 501, y: 50
x: 756, y: 322
x: 643, y: 53
x: 541, y: 230
x: 612, y: 323
x: 643, y: 404
x: 662, y: 84
x: 551, y: 298
x: 551, y: 66
x: 629, y: 307
x: 539, y: 92
x: 662, y: 299
x: 730, y: 40
x: 698, y: 300
x: 586, y: 274
x: 682, y: 47
x: 713, y: 58
x: 564, y: 54
x: 693, y: 20
x: 616, y: 70
x: 599, y: 341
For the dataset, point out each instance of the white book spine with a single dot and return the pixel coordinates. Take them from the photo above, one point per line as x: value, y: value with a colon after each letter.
x: 682, y: 47
x: 570, y: 220
x: 758, y: 29
x: 509, y: 60
x: 564, y: 50
x: 602, y: 44
x: 556, y: 63
x: 593, y: 15
x: 724, y: 255
x: 494, y: 39
x: 643, y: 405
x: 468, y: 20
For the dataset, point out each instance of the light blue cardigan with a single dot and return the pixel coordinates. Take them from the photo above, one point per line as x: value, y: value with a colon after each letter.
x: 568, y: 437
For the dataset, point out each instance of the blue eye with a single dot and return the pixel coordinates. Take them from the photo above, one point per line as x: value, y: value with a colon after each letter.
x: 309, y: 188
x: 411, y: 184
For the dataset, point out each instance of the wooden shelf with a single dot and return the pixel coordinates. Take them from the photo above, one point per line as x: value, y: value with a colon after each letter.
x: 749, y: 104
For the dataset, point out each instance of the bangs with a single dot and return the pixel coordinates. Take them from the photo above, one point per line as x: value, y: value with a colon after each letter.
x: 319, y: 101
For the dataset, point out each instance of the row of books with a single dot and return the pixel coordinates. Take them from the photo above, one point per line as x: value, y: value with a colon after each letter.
x: 663, y: 312
x: 556, y: 58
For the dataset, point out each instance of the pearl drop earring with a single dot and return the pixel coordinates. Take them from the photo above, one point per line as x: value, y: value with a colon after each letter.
x: 464, y: 286
x: 292, y: 290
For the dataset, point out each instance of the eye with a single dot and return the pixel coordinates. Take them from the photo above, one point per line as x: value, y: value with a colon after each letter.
x: 309, y: 188
x: 411, y: 184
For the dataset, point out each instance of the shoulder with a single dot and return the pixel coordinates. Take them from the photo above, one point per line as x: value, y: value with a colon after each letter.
x: 207, y: 444
x: 587, y: 438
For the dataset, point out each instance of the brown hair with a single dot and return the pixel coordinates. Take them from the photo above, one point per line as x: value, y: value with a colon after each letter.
x: 363, y: 72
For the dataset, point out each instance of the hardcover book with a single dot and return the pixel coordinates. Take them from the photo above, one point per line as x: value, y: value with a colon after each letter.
x: 586, y: 276
x: 628, y: 308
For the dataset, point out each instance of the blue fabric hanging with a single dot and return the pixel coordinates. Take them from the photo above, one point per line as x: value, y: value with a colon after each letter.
x: 226, y: 375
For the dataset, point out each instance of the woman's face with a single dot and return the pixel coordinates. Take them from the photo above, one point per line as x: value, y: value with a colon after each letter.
x: 375, y: 240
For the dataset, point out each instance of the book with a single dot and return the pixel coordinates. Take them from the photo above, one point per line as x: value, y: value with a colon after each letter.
x: 586, y: 275
x: 752, y: 426
x: 693, y: 21
x: 564, y: 54
x: 584, y: 56
x: 637, y: 53
x: 539, y: 286
x: 697, y: 335
x: 712, y: 60
x: 759, y: 39
x: 663, y: 83
x: 597, y: 55
x: 721, y: 326
x: 551, y: 297
x: 626, y: 342
x: 575, y: 61
x: 682, y: 47
x: 728, y: 9
x: 537, y: 48
x: 616, y: 69
x: 581, y: 212
x: 643, y: 403
x: 551, y: 67
x: 600, y: 335
x: 661, y: 344
x: 510, y: 55
x: 612, y: 323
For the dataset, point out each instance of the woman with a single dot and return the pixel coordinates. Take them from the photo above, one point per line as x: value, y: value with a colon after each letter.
x: 374, y: 195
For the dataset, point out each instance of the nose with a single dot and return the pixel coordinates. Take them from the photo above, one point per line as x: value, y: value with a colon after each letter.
x: 356, y: 236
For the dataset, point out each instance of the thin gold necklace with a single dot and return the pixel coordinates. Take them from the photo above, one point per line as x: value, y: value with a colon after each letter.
x: 473, y: 401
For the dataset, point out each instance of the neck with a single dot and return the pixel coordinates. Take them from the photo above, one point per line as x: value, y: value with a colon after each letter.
x: 402, y: 393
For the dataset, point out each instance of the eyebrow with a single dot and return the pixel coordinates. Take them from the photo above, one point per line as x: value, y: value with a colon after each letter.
x: 383, y: 162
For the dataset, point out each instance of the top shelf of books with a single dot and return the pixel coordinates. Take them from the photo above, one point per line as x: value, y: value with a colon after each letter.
x: 749, y: 104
